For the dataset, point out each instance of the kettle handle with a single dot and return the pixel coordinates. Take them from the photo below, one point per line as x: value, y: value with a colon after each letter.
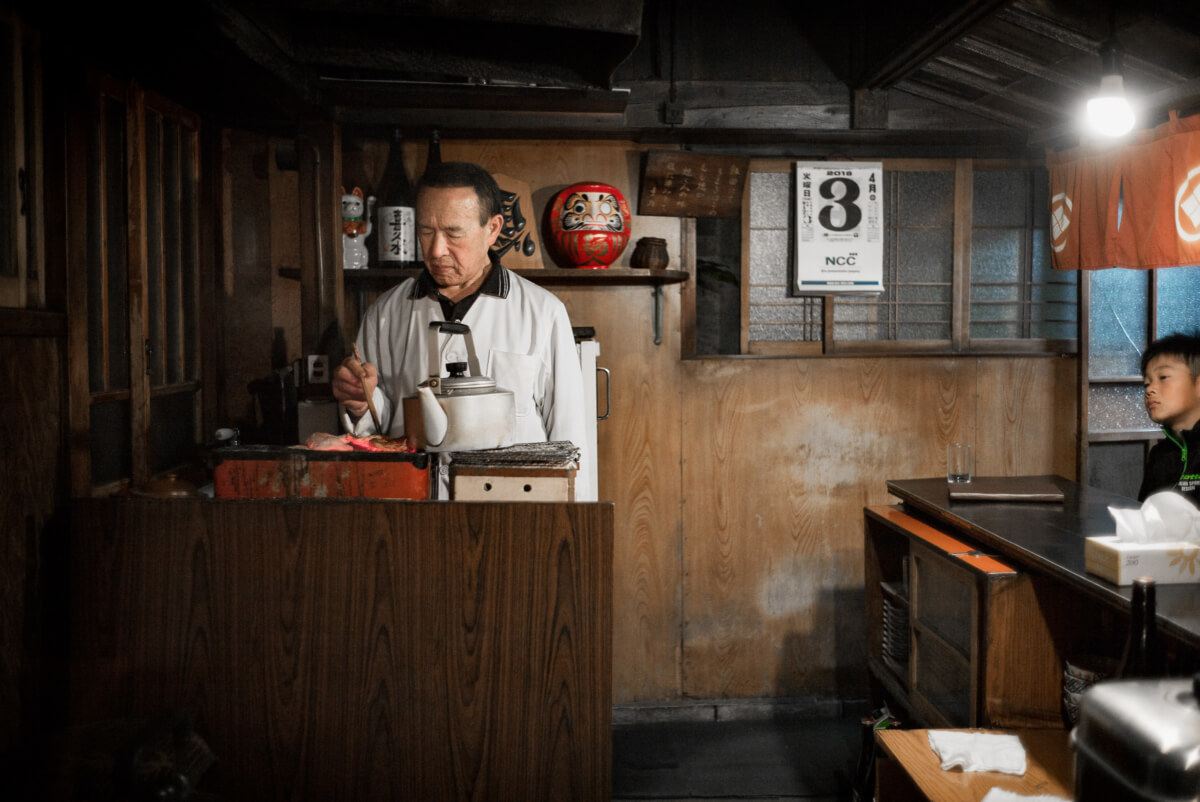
x: 436, y: 327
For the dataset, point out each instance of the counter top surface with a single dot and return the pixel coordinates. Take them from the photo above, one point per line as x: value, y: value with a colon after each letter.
x: 1049, y: 767
x: 1050, y: 537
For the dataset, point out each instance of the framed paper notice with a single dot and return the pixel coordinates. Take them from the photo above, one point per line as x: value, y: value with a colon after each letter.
x: 839, y: 228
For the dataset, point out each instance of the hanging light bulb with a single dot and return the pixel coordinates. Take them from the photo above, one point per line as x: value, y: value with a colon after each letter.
x: 1109, y: 112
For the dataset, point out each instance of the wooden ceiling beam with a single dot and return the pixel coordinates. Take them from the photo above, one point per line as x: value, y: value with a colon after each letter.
x: 954, y: 101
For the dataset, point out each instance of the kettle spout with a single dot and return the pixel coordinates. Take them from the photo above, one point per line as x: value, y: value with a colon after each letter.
x: 434, y: 416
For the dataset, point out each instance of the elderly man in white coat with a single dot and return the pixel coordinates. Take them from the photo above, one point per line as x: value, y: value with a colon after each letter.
x: 521, y: 331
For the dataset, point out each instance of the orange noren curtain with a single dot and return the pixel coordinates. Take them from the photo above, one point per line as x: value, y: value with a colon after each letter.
x: 1136, y: 205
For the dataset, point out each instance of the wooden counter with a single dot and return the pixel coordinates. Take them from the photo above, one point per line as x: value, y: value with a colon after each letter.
x: 974, y: 607
x: 352, y: 649
x: 908, y: 770
x: 1049, y: 538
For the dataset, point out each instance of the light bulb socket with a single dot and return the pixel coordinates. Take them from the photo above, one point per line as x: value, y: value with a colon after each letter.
x: 1110, y: 58
x: 1111, y: 86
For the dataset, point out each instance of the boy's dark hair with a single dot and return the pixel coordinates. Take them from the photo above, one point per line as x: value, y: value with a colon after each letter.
x: 444, y: 175
x: 1184, y: 347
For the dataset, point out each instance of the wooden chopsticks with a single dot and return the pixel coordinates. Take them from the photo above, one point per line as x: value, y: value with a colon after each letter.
x: 362, y: 379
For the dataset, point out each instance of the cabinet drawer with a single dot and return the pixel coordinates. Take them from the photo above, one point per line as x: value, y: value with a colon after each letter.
x: 943, y: 598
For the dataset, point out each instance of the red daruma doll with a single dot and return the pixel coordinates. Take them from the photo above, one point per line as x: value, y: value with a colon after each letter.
x: 590, y: 224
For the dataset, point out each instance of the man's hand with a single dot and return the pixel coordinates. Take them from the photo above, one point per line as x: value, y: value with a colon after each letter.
x: 351, y: 382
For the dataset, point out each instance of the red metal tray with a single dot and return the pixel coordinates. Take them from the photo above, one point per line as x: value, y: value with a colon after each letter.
x: 268, y: 471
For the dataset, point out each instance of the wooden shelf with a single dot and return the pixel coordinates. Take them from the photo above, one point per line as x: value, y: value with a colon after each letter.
x: 580, y: 277
x: 379, y: 279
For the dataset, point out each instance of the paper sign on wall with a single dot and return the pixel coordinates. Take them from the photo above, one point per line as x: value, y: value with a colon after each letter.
x: 839, y: 227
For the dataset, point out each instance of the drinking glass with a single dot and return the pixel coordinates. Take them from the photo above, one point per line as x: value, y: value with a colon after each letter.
x: 958, y: 463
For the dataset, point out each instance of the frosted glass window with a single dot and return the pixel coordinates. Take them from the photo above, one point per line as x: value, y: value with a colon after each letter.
x: 1014, y: 292
x: 1118, y: 322
x: 1178, y: 300
x: 925, y: 199
x: 770, y: 200
x: 918, y: 270
x: 1117, y: 408
x: 775, y: 315
x: 1000, y: 198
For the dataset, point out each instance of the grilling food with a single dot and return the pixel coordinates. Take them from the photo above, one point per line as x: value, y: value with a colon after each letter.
x: 320, y: 441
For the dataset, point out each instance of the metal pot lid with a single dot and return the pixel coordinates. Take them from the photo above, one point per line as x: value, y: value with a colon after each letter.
x: 466, y: 385
x: 458, y: 383
x: 1146, y: 731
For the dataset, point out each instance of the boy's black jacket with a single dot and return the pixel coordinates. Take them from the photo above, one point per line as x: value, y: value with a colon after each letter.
x: 1166, y: 468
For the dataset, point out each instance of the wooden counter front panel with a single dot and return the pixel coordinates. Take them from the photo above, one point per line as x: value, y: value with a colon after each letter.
x: 987, y: 641
x: 356, y: 650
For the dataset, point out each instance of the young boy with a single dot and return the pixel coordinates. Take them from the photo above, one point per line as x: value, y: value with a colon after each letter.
x: 1171, y: 375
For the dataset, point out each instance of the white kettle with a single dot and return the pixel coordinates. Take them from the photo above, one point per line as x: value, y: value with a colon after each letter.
x: 463, y: 412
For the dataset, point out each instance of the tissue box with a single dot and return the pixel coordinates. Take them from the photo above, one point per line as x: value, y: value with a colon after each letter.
x: 1121, y: 562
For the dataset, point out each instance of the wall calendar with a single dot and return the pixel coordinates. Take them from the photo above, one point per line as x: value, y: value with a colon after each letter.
x: 839, y: 228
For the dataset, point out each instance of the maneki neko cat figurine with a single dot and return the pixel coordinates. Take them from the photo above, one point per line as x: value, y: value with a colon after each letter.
x: 356, y: 227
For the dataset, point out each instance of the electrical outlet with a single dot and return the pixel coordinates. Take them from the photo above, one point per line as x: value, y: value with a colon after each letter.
x: 318, y: 369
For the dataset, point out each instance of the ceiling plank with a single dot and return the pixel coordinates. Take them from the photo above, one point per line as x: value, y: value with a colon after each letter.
x: 263, y: 50
x: 1018, y: 61
x: 1063, y: 35
x: 925, y: 43
x: 964, y: 78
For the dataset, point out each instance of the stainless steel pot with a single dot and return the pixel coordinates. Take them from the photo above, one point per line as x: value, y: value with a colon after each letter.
x: 1138, y: 741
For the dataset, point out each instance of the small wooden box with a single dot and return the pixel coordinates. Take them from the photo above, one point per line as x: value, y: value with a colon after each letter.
x: 511, y: 483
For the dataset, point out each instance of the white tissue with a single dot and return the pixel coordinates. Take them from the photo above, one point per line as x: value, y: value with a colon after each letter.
x: 1164, y: 517
x: 1000, y: 795
x: 978, y: 751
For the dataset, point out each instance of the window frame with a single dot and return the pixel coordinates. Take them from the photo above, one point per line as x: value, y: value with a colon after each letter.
x: 1147, y: 436
x: 22, y: 200
x: 139, y: 196
x: 960, y: 341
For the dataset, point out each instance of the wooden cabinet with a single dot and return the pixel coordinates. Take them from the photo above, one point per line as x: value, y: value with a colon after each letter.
x: 355, y: 649
x: 956, y: 636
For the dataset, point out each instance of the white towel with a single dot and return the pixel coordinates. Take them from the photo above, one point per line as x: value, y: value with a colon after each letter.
x: 1000, y: 795
x: 978, y: 751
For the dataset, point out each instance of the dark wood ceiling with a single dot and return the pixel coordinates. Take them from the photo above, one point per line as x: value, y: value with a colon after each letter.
x: 1002, y: 75
x: 1029, y: 65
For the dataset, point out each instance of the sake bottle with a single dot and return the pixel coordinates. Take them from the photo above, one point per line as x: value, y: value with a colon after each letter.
x: 395, y: 215
x: 1143, y: 652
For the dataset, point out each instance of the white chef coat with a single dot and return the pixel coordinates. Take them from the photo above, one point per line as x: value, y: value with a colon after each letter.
x: 524, y: 342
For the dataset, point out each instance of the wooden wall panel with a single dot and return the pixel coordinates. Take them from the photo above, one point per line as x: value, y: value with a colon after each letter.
x: 247, y: 286
x: 780, y: 458
x: 33, y: 467
x: 739, y: 483
x: 283, y: 191
x: 639, y: 458
x: 356, y: 650
x: 1028, y: 421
